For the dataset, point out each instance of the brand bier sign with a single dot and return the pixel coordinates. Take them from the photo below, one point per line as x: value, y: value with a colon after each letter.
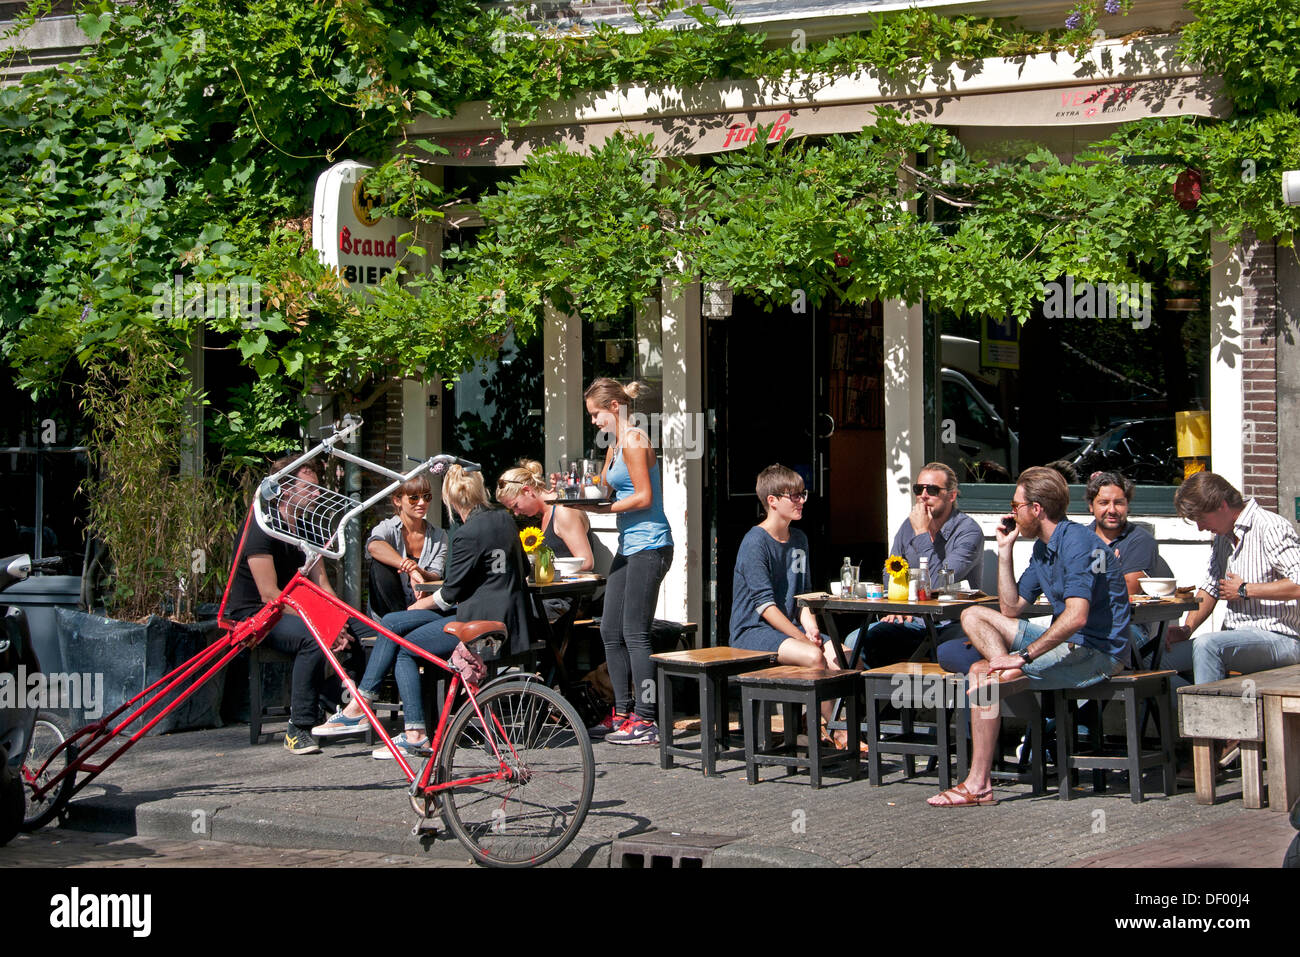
x: 348, y: 234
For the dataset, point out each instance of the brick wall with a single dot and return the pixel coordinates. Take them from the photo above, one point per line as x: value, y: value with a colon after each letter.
x: 1259, y: 371
x: 382, y: 441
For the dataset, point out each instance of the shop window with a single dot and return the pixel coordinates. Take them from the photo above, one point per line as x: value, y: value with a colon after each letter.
x: 627, y: 347
x: 493, y: 415
x: 1094, y: 389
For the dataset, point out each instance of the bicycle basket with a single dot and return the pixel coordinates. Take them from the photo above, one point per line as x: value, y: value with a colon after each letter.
x: 305, y: 514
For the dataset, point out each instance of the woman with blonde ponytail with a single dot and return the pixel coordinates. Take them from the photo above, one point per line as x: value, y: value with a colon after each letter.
x: 645, y: 552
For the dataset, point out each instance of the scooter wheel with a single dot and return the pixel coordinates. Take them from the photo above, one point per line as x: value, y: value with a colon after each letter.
x: 11, y: 801
x: 47, y: 735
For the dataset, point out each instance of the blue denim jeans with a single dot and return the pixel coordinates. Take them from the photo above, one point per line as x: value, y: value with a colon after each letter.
x: 387, y: 654
x: 1241, y: 649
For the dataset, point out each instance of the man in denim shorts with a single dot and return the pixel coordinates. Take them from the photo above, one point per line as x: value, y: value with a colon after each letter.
x: 1084, y: 643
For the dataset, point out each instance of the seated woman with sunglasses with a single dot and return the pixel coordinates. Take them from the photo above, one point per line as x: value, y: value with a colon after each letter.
x: 405, y: 550
x: 485, y: 580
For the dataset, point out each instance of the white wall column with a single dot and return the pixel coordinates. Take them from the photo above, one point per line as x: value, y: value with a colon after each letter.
x: 681, y: 450
x: 1227, y: 389
x: 904, y: 347
x: 562, y: 387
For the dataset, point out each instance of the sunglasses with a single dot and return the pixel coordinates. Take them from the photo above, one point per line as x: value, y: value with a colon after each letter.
x: 928, y: 489
x: 795, y: 497
x: 417, y: 499
x: 1017, y: 506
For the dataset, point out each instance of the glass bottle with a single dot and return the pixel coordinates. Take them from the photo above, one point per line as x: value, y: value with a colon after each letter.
x: 923, y: 580
x: 846, y: 578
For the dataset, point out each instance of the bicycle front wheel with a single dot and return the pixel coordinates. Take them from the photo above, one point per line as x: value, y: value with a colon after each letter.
x: 47, y: 735
x: 535, y: 740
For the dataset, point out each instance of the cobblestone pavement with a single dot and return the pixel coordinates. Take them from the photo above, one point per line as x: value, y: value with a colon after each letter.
x: 168, y: 786
x: 64, y: 847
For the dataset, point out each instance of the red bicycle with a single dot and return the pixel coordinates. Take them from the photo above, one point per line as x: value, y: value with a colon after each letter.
x: 511, y: 769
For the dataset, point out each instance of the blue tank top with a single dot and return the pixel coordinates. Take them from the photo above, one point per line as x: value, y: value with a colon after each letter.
x: 640, y: 528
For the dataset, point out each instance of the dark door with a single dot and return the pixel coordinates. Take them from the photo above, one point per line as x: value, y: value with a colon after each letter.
x: 767, y: 391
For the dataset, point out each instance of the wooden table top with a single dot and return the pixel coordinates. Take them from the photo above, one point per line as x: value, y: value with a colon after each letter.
x: 719, y: 653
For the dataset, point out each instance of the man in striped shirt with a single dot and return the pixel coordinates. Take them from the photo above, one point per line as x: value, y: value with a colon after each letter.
x: 1254, y: 567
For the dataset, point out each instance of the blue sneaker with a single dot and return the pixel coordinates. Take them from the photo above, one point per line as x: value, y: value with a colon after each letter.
x: 340, y: 724
x: 411, y: 749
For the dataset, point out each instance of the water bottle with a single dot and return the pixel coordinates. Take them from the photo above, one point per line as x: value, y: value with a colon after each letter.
x: 846, y: 578
x: 923, y: 580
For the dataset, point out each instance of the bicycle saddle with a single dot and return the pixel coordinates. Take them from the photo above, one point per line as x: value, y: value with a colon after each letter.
x: 468, y: 631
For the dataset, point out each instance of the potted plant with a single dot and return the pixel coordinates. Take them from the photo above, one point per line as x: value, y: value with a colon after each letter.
x: 167, y: 532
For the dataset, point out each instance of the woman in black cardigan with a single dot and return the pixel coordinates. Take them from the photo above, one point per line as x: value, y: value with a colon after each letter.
x: 485, y: 580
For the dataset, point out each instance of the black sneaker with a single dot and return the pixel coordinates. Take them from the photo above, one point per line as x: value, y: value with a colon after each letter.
x: 299, y: 741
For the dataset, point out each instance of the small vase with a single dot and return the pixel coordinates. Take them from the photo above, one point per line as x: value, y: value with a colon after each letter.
x: 544, y: 568
x: 897, y: 589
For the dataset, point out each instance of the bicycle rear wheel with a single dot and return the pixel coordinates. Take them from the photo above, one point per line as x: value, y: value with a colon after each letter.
x: 529, y: 816
x: 47, y: 735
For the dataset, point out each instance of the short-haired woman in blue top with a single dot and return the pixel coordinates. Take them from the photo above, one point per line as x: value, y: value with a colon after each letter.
x: 645, y: 552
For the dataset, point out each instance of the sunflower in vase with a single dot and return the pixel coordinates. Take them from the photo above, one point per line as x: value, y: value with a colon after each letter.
x: 896, y: 569
x: 541, y: 557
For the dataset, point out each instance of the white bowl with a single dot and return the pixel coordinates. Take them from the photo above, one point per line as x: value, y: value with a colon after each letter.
x: 592, y: 492
x: 1158, y: 587
x: 568, y: 567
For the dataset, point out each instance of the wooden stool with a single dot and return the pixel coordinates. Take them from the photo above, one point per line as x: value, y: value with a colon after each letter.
x: 792, y: 687
x: 710, y: 667
x: 1132, y: 688
x: 1028, y: 705
x: 262, y: 654
x: 910, y: 685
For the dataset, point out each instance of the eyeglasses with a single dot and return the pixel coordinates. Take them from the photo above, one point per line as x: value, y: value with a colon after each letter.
x: 795, y: 497
x: 928, y: 489
x: 1016, y: 506
x: 417, y: 499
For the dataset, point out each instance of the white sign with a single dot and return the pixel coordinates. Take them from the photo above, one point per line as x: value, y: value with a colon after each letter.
x: 348, y: 234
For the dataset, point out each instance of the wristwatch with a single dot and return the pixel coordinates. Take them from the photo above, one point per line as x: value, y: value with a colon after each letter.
x: 1241, y: 591
x: 1024, y: 656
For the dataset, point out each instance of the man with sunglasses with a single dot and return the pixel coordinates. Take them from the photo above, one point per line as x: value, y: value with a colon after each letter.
x: 1082, y: 646
x: 947, y: 538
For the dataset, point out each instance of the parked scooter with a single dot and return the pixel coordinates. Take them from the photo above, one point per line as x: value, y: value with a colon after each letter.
x: 27, y: 734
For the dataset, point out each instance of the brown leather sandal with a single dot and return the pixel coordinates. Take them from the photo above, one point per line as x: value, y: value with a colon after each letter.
x: 964, y: 797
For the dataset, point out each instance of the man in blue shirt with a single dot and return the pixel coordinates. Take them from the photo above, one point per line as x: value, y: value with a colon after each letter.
x: 1082, y: 646
x: 947, y: 538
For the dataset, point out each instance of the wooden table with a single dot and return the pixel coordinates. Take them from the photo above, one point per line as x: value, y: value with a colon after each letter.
x: 1280, y: 689
x: 831, y: 609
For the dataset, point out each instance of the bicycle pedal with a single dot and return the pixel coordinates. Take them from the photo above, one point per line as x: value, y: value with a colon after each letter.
x: 425, y: 828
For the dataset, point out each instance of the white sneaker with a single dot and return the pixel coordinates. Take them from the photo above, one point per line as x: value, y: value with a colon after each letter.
x: 412, y: 749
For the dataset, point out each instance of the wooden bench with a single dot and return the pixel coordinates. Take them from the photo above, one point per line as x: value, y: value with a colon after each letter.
x: 1218, y: 711
x: 1132, y: 688
x: 710, y: 667
x: 791, y: 688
